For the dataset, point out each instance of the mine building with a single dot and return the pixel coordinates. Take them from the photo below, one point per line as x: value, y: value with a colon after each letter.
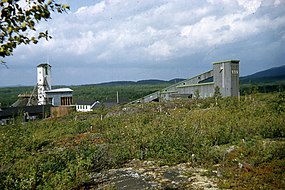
x: 42, y: 102
x: 47, y: 95
x: 224, y: 76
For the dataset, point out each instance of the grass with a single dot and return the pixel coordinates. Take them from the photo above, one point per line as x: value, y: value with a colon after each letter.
x: 242, y: 139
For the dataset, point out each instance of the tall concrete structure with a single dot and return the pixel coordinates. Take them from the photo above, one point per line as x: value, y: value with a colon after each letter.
x: 224, y: 75
x: 43, y: 82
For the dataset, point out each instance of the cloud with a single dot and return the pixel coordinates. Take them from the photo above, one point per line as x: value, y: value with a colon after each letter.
x: 160, y: 49
x: 144, y: 25
x: 250, y: 6
x: 141, y: 33
x: 92, y: 10
x: 83, y: 44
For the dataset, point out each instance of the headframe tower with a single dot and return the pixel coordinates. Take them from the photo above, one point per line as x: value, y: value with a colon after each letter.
x: 43, y: 82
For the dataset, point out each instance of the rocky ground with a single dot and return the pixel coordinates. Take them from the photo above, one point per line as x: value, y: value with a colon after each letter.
x: 141, y: 175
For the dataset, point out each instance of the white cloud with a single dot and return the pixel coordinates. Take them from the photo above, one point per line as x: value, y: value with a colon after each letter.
x: 83, y: 44
x: 277, y: 2
x: 154, y: 28
x: 141, y: 31
x: 250, y: 6
x: 91, y: 10
x: 160, y: 49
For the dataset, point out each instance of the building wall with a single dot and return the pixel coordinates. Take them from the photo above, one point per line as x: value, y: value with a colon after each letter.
x: 226, y: 77
x: 205, y: 90
x: 83, y: 108
x: 60, y: 98
x: 235, y: 80
x: 198, y: 78
x: 61, y: 111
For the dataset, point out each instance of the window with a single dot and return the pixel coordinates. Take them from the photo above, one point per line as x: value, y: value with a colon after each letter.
x: 66, y: 100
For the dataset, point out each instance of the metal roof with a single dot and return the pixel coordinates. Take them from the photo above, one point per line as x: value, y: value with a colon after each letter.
x: 226, y: 61
x: 43, y: 64
x: 86, y: 102
x: 60, y: 90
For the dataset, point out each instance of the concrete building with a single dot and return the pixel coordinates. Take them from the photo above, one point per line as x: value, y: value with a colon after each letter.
x: 43, y: 82
x: 43, y: 102
x: 224, y: 76
x: 59, y: 97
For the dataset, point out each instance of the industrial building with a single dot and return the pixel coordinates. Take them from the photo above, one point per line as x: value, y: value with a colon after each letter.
x: 42, y: 102
x: 47, y: 95
x: 224, y: 76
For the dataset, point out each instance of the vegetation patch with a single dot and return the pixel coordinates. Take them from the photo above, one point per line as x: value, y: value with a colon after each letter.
x: 239, y: 141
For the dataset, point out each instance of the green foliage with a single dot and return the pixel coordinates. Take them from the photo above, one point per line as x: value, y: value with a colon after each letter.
x: 17, y: 22
x: 105, y: 93
x: 278, y: 86
x: 63, y: 153
x: 255, y: 164
x: 278, y: 103
x: 109, y: 93
x: 217, y: 93
x: 197, y: 94
x: 9, y: 95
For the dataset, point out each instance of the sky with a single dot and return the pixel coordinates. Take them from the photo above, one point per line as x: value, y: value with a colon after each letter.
x: 129, y: 40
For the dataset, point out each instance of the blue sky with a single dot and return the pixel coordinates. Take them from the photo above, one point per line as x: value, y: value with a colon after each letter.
x: 99, y: 41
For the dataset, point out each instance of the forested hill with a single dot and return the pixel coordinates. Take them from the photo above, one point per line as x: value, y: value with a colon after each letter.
x: 146, y: 82
x: 272, y: 75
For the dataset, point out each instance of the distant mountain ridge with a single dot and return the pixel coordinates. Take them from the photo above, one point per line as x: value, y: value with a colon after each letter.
x: 141, y: 82
x: 272, y: 75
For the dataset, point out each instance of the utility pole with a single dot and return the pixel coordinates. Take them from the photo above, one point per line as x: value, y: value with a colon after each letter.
x: 118, y: 101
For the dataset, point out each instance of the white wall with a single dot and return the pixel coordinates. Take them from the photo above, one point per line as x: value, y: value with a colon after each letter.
x: 83, y: 108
